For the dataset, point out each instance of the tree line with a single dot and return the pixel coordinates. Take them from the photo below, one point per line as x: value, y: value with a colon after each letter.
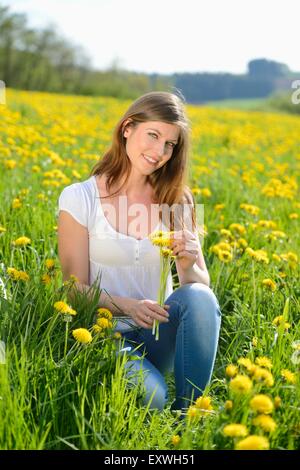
x: 42, y: 60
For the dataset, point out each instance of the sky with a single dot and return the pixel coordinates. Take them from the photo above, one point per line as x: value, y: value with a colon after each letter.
x: 167, y: 36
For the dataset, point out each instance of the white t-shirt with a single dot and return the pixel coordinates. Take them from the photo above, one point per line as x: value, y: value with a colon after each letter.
x: 124, y: 266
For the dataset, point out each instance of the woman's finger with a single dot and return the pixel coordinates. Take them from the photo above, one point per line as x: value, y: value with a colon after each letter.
x: 160, y: 315
x: 145, y: 325
x: 187, y: 254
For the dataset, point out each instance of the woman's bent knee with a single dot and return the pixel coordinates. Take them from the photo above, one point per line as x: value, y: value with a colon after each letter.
x: 201, y: 295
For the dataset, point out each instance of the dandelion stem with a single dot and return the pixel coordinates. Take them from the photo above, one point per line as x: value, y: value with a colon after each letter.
x: 66, y: 339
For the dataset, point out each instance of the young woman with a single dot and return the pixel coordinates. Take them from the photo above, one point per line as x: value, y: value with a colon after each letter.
x: 103, y: 229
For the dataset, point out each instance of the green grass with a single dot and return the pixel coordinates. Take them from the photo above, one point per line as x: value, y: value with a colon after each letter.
x: 242, y: 104
x: 57, y: 394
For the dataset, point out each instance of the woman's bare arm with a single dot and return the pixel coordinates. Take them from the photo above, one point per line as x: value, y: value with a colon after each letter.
x: 73, y: 252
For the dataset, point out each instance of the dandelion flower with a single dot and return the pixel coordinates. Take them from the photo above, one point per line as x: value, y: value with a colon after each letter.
x: 262, y: 404
x: 16, y: 275
x: 50, y: 263
x: 258, y: 255
x: 166, y: 252
x: 279, y: 320
x: 96, y: 329
x: 253, y: 443
x: 231, y: 370
x: 247, y: 363
x: 175, y: 440
x: 71, y: 281
x: 264, y: 422
x: 161, y: 239
x: 224, y: 256
x: 104, y: 323
x: 13, y: 273
x: 203, y: 404
x: 277, y: 402
x: 22, y: 241
x: 290, y: 256
x: 226, y: 233
x: 228, y: 405
x: 16, y: 204
x: 82, y: 335
x: 263, y: 375
x: 269, y: 284
x: 253, y: 210
x: 289, y: 376
x: 193, y: 412
x: 242, y: 242
x: 46, y: 279
x: 206, y: 192
x: 267, y: 224
x: 235, y: 430
x: 62, y: 307
x: 221, y: 246
x: 240, y: 384
x: 104, y: 313
x: 264, y: 362
x: 237, y: 228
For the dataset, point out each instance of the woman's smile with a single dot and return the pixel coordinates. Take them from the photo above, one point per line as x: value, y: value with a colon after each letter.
x: 150, y: 160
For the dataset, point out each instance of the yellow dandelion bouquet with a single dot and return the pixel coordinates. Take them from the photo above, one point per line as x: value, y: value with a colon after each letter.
x: 163, y: 241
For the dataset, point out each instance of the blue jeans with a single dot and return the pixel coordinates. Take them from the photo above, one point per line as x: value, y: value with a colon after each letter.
x: 187, y: 345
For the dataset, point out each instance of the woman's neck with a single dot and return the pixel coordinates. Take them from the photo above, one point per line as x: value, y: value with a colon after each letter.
x: 135, y: 186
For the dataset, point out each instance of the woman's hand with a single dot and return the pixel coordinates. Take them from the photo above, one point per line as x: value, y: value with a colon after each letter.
x: 145, y: 311
x: 186, y: 247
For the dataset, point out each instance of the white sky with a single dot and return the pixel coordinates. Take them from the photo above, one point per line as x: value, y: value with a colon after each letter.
x: 167, y: 36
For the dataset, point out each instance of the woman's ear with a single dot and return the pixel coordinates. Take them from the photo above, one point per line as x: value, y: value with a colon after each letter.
x: 126, y: 128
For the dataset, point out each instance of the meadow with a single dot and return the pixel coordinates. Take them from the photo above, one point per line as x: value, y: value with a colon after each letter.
x: 65, y: 390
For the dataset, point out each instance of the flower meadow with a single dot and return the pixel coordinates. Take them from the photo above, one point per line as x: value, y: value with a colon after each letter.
x: 62, y: 383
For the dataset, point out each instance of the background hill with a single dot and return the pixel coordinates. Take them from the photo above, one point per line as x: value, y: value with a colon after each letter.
x: 42, y: 60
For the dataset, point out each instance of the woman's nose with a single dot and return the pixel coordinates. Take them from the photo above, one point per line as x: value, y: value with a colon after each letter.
x: 159, y: 149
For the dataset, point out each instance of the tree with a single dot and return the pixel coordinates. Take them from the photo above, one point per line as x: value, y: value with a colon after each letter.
x: 267, y: 68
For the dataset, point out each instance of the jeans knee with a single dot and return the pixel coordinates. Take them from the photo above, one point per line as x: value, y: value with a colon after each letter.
x: 201, y: 296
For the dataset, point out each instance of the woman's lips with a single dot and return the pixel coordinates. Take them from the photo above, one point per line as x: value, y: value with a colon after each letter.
x: 150, y: 161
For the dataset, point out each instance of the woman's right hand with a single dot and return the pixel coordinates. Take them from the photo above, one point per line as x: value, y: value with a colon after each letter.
x: 145, y: 311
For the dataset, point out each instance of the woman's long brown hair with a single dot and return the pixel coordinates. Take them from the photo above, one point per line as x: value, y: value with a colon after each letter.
x: 169, y: 182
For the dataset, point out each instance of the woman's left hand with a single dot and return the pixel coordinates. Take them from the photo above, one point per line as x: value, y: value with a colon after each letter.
x: 186, y: 247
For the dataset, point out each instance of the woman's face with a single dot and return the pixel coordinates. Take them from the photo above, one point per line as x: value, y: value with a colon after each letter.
x: 150, y: 144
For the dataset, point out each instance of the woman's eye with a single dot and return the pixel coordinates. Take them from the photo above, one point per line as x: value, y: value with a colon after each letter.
x: 152, y: 135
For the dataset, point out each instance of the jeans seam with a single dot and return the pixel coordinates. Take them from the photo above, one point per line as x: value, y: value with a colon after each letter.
x: 185, y: 361
x: 184, y: 337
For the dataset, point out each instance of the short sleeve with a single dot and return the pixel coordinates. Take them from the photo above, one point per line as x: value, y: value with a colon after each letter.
x: 72, y: 199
